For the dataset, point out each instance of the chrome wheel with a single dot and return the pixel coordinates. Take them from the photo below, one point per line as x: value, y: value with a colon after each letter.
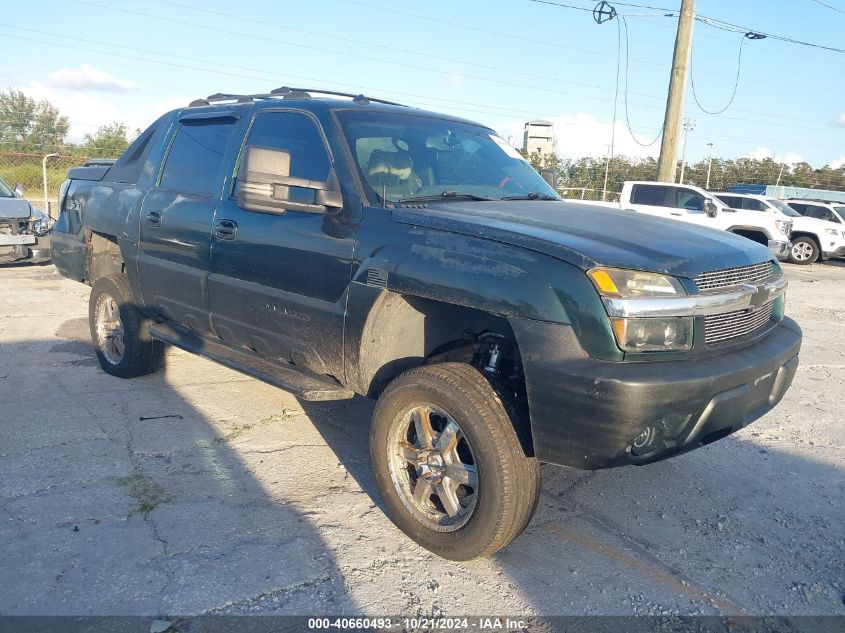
x: 802, y: 251
x: 433, y: 468
x: 110, y: 333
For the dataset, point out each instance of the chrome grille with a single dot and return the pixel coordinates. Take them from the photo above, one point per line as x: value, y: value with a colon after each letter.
x: 720, y: 328
x: 727, y: 277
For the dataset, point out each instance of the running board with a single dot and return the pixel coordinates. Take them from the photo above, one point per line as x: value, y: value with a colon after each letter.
x: 303, y: 384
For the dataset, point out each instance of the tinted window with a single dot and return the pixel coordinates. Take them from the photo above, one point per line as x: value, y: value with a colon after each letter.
x: 691, y: 200
x: 732, y: 201
x: 822, y: 213
x: 298, y: 134
x: 752, y: 204
x: 801, y: 208
x: 194, y: 160
x: 652, y: 195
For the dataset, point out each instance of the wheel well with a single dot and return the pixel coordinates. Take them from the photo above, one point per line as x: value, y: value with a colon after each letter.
x: 104, y: 256
x: 754, y: 236
x: 797, y: 234
x: 403, y: 332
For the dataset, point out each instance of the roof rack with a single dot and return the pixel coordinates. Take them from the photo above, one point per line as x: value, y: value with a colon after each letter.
x: 287, y: 93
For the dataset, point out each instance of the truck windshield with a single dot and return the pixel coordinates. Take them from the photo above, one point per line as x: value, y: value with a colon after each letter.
x: 6, y: 191
x: 403, y: 156
x: 783, y: 207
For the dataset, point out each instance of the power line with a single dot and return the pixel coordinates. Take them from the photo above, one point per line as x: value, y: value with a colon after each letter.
x: 736, y: 83
x: 828, y: 6
x: 624, y: 22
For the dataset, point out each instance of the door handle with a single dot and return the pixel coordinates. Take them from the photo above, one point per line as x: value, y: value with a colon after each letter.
x: 154, y: 218
x: 225, y: 229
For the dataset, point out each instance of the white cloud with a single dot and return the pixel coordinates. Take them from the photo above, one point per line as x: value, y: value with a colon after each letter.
x: 87, y: 78
x: 840, y: 120
x: 85, y: 112
x: 838, y: 163
x: 790, y: 158
x: 583, y: 134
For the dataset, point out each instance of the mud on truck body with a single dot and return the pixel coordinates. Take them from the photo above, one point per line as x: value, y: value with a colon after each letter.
x: 338, y: 246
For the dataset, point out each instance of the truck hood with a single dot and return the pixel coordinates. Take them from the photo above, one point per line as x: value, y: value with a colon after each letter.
x: 14, y: 208
x: 589, y: 236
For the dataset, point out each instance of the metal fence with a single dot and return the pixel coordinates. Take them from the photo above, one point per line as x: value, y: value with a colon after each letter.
x: 584, y: 193
x: 30, y: 170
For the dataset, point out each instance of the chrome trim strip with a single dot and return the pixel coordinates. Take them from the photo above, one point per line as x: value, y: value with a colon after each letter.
x: 744, y: 297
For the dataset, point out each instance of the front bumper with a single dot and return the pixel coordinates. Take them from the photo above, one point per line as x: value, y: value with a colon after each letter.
x: 780, y: 249
x: 24, y: 247
x: 585, y: 413
x: 839, y: 252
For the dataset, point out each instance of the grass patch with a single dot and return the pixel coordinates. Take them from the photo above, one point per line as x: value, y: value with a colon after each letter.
x: 145, y: 491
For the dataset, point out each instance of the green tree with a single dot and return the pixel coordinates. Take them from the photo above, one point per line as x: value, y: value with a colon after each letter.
x: 108, y: 141
x: 27, y: 125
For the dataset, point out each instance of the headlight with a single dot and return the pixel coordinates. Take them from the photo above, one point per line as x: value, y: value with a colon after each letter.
x: 784, y: 226
x: 630, y: 284
x: 653, y: 334
x: 830, y: 231
x: 644, y: 334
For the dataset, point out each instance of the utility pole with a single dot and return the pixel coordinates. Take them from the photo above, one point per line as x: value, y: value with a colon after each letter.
x: 667, y: 163
x: 689, y: 126
x: 709, y: 162
x: 606, y: 173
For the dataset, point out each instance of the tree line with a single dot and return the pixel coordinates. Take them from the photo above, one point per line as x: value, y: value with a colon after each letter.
x: 589, y: 173
x: 30, y: 126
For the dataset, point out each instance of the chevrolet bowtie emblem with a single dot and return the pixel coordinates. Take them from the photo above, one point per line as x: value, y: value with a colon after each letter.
x: 760, y: 296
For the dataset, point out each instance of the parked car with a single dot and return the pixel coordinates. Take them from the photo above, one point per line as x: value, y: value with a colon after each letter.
x: 24, y: 231
x: 832, y: 213
x: 697, y: 206
x: 812, y: 238
x: 336, y: 246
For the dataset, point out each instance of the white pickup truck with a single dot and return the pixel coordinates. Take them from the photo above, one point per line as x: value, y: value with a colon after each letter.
x: 812, y: 237
x: 693, y: 204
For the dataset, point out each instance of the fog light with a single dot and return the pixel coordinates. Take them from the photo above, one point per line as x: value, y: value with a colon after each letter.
x: 651, y: 334
x: 646, y: 441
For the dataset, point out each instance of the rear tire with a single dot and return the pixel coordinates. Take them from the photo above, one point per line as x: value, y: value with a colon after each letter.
x: 119, y: 332
x: 459, y: 484
x: 804, y: 250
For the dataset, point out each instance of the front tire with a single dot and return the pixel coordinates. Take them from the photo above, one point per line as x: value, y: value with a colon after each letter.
x: 804, y: 251
x: 449, y: 464
x: 120, y: 332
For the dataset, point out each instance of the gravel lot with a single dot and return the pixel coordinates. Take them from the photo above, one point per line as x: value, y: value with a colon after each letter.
x: 198, y: 490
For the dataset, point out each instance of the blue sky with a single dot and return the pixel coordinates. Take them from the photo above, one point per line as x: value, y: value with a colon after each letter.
x: 500, y: 62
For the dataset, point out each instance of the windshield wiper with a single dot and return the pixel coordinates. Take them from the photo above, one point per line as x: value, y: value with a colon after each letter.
x: 531, y: 195
x: 447, y: 195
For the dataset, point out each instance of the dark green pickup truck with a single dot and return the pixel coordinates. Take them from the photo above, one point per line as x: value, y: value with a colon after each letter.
x: 337, y: 245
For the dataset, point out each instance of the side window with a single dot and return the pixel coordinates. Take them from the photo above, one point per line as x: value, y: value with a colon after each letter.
x: 195, y: 155
x: 732, y: 201
x: 751, y: 204
x: 801, y: 208
x: 652, y: 195
x: 298, y: 134
x: 690, y: 200
x: 815, y: 211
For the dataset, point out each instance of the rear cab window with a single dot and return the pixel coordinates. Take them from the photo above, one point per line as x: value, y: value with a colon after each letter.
x: 650, y: 195
x: 193, y: 162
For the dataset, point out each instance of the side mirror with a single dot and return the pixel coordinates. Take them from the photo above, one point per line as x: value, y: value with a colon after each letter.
x: 711, y: 209
x: 19, y: 190
x: 265, y: 185
x: 550, y: 176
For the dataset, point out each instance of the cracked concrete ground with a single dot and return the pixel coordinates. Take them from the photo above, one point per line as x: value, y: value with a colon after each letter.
x: 198, y: 490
